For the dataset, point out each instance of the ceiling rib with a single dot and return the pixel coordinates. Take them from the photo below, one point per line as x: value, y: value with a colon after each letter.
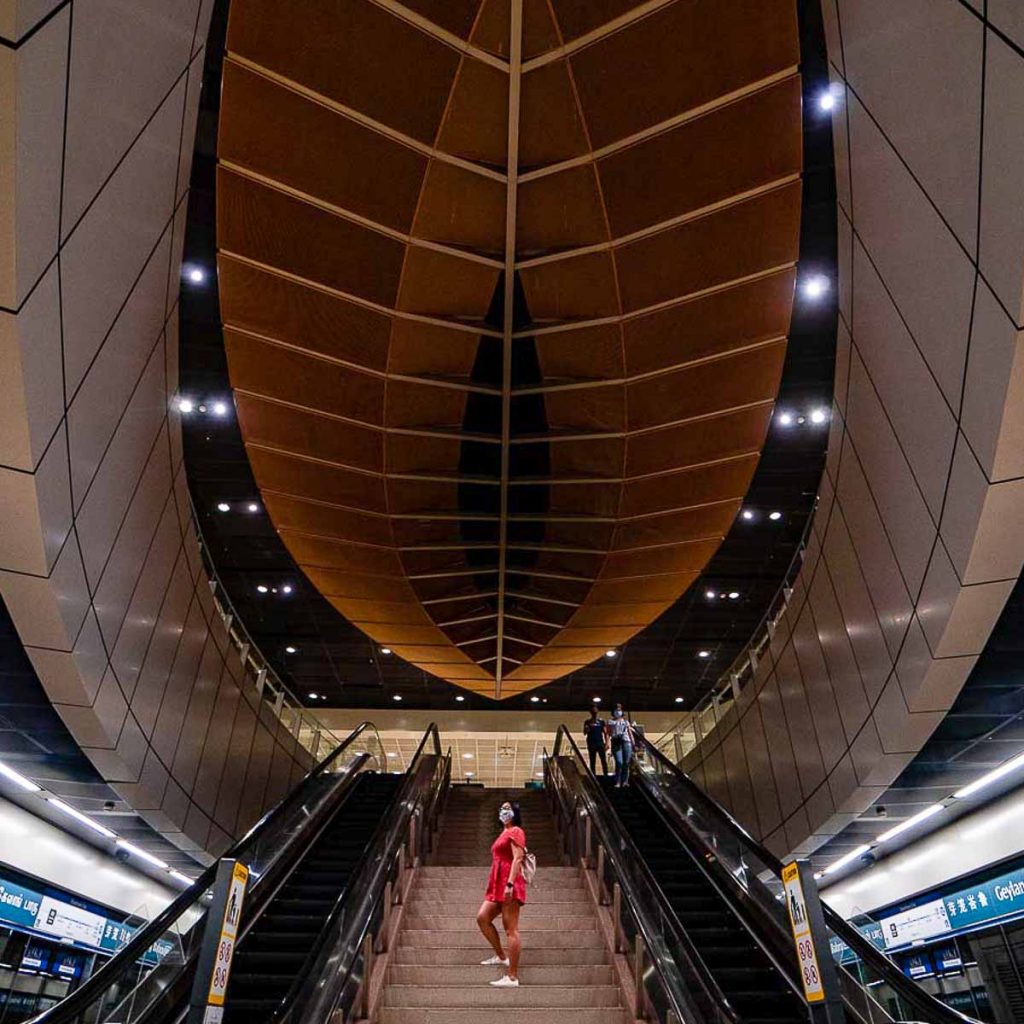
x: 515, y: 65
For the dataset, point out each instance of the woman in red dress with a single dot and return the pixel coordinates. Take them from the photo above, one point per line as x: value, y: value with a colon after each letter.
x: 506, y: 893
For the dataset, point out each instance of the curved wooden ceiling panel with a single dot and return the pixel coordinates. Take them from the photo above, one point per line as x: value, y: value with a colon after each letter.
x: 506, y: 286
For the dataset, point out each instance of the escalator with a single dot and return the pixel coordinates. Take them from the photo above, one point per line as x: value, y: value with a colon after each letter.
x: 742, y: 969
x: 320, y: 865
x: 699, y: 904
x: 272, y: 953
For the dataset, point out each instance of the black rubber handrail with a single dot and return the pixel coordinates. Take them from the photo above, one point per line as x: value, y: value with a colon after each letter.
x: 934, y: 1010
x: 292, y: 998
x: 695, y: 963
x: 125, y: 959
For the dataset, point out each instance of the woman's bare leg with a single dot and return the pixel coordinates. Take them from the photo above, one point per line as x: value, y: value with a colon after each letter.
x: 510, y: 920
x: 485, y: 919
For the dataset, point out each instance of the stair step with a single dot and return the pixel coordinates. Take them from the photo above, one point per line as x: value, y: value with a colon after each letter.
x: 471, y: 937
x: 470, y: 956
x: 530, y: 974
x: 518, y: 1014
x: 541, y: 920
x: 485, y: 995
x: 457, y: 905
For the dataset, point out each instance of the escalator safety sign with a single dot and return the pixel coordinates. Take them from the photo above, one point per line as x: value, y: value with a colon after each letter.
x: 810, y: 972
x: 226, y: 941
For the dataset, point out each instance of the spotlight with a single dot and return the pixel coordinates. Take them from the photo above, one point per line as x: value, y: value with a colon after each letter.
x: 747, y: 514
x: 314, y: 696
x: 253, y: 507
x: 397, y: 696
x: 596, y: 700
x: 775, y: 516
x: 286, y: 589
x: 679, y: 700
x: 468, y: 757
x: 262, y: 589
x: 290, y: 650
x: 815, y: 286
x: 818, y: 415
x: 385, y: 650
x: 220, y: 408
x: 733, y: 595
x: 195, y: 275
x: 185, y: 405
x: 610, y: 653
x: 828, y: 100
x: 535, y: 700
x: 785, y: 419
x: 703, y: 654
x: 710, y: 595
x: 460, y: 698
x: 223, y: 507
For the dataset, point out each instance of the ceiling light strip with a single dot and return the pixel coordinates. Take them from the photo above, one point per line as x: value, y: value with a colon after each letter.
x: 515, y: 82
x: 360, y: 118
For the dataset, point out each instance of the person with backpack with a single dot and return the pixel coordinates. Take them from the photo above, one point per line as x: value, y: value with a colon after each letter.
x: 511, y: 868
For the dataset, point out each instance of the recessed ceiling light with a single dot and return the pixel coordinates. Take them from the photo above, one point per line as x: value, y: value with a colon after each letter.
x: 470, y: 775
x: 289, y: 649
x: 597, y: 700
x: 827, y: 100
x: 286, y: 589
x: 385, y: 650
x: 815, y: 286
x: 460, y: 698
x: 543, y: 700
x: 314, y: 696
x: 785, y: 419
x: 733, y: 594
x: 535, y: 700
x: 747, y: 514
x: 397, y: 696
x: 468, y: 757
x: 610, y: 653
x: 710, y: 595
x: 818, y: 415
x: 679, y: 700
x: 775, y: 516
x: 703, y: 654
x: 185, y: 405
x: 196, y: 275
x: 391, y: 753
x: 262, y: 589
x: 253, y: 507
x: 220, y: 408
x: 223, y: 507
x: 538, y: 775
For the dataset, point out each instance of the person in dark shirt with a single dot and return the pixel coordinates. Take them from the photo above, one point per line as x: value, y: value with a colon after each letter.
x: 596, y: 733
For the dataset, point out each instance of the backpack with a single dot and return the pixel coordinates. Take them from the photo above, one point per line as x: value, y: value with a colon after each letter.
x: 529, y: 867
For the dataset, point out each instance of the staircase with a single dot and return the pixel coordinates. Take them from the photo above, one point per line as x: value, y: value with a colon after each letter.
x: 565, y: 971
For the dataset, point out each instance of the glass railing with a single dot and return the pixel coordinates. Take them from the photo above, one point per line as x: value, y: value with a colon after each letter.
x: 333, y: 984
x: 152, y: 972
x: 875, y: 990
x: 673, y: 986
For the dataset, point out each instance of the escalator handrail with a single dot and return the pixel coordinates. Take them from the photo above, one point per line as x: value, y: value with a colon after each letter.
x: 711, y: 987
x: 126, y: 957
x: 922, y: 1001
x: 295, y: 1000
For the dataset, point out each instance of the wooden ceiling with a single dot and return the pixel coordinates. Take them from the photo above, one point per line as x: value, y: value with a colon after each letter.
x: 505, y: 287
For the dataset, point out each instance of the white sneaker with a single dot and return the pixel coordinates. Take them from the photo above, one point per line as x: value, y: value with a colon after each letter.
x: 506, y: 982
x: 494, y: 961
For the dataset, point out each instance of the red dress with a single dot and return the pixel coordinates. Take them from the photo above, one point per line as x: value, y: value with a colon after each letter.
x: 501, y: 865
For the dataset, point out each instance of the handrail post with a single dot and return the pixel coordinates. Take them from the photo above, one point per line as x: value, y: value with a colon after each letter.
x: 600, y: 874
x: 617, y: 915
x: 367, y: 973
x: 638, y: 977
x: 587, y: 845
x: 385, y: 927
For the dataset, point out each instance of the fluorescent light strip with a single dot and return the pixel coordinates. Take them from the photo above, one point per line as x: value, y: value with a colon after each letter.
x: 846, y: 858
x: 182, y: 878
x: 79, y: 816
x: 997, y: 773
x: 131, y: 848
x: 910, y: 822
x: 17, y: 779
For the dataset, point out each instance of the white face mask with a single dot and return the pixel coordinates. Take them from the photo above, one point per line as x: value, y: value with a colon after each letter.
x: 505, y: 815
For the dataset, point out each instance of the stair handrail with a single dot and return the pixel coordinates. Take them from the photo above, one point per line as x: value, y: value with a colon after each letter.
x: 421, y: 798
x: 128, y: 956
x: 597, y: 807
x: 932, y: 1010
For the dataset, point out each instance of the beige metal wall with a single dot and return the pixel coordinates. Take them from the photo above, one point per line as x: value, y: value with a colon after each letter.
x: 100, y: 569
x: 919, y: 532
